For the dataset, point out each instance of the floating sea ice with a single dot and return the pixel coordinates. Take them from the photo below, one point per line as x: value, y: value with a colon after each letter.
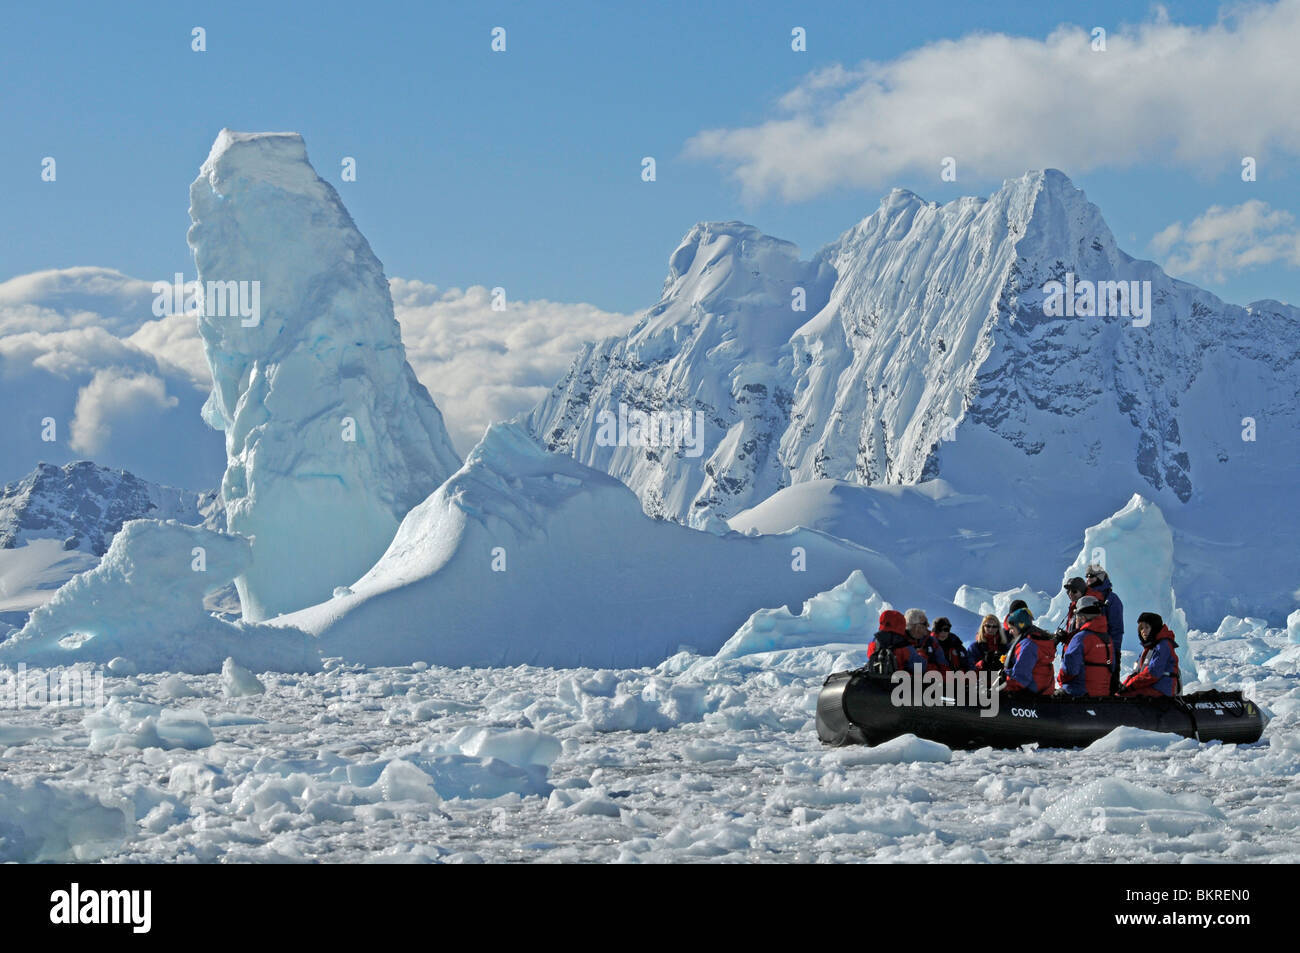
x: 581, y: 803
x: 1286, y: 662
x: 173, y: 686
x: 904, y: 749
x: 1115, y: 806
x: 402, y: 781
x: 985, y: 601
x: 122, y: 666
x: 519, y: 746
x: 51, y: 822
x: 141, y: 609
x: 130, y: 724
x: 237, y: 681
x: 1128, y: 738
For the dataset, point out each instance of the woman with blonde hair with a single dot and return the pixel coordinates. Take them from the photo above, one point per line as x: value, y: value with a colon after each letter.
x: 989, y: 646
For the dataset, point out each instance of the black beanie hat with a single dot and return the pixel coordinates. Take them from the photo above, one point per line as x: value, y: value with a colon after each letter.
x: 942, y: 624
x: 1153, y: 620
x: 1018, y: 604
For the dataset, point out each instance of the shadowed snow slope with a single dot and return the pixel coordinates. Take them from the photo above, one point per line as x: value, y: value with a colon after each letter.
x: 144, y: 602
x: 330, y: 438
x: 586, y: 577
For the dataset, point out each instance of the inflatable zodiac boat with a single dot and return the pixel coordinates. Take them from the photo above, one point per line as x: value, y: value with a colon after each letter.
x: 865, y: 708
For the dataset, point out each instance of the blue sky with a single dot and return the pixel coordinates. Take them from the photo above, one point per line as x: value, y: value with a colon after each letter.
x: 522, y: 169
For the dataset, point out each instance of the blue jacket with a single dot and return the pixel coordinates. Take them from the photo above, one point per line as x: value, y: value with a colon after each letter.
x: 1024, y: 654
x: 1114, y: 618
x: 1157, y: 669
x: 1029, y: 663
x: 975, y: 653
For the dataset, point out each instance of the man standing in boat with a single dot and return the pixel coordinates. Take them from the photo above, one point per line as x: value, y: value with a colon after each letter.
x: 1099, y: 587
x: 1076, y: 589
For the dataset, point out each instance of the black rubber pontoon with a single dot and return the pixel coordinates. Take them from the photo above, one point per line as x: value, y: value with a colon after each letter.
x: 858, y: 708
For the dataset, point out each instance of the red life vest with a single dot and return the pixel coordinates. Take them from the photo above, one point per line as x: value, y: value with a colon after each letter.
x: 1096, y: 657
x: 1044, y: 672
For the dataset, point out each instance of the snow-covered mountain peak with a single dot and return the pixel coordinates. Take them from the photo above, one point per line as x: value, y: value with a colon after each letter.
x: 714, y: 240
x: 84, y: 505
x: 1048, y: 214
x: 732, y: 273
x: 899, y: 200
x: 982, y: 341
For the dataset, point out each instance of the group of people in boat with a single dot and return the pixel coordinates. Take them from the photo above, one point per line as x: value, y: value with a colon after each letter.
x: 1092, y: 635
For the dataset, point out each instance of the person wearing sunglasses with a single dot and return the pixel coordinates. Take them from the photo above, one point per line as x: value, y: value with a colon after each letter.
x: 989, y: 646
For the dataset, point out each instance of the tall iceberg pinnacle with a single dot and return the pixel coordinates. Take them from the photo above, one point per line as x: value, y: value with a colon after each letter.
x: 330, y: 438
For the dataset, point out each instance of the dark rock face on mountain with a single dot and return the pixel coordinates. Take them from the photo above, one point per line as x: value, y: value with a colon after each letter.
x: 85, y: 505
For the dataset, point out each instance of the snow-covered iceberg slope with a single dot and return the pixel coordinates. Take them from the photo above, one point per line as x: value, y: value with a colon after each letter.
x: 330, y: 439
x: 524, y: 556
x: 144, y: 603
x: 930, y: 530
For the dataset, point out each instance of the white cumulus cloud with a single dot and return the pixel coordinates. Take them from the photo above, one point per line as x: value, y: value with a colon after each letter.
x: 482, y: 365
x: 80, y: 297
x: 1000, y: 104
x: 93, y: 330
x: 114, y: 394
x: 1225, y: 240
x: 174, y: 339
